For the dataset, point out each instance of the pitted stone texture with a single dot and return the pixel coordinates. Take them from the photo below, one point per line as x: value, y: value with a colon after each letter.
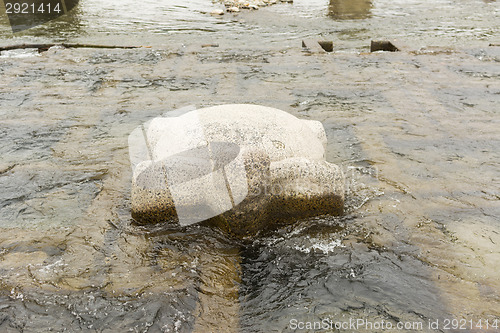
x: 241, y: 167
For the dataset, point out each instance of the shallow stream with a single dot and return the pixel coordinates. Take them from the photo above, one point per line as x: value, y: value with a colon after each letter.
x: 416, y: 133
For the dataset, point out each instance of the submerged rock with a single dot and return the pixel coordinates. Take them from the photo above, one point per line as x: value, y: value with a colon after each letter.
x: 244, y: 168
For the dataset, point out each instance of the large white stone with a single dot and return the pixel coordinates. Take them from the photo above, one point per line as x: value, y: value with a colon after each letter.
x: 243, y: 166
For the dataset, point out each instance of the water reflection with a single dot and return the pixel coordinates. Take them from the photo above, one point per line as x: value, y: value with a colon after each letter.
x: 65, y: 25
x: 70, y: 4
x: 350, y: 9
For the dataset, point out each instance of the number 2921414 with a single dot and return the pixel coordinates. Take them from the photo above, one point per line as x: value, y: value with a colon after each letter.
x: 32, y: 8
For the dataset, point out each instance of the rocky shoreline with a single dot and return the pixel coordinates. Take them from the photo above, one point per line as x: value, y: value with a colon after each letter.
x: 236, y: 5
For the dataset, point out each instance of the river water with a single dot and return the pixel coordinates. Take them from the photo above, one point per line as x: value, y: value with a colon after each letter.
x: 416, y: 133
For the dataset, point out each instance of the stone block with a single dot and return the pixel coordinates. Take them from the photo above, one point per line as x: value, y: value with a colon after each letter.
x: 243, y: 168
x: 388, y: 45
x: 312, y: 46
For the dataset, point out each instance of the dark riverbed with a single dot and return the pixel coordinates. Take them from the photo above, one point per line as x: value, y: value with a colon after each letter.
x: 416, y: 134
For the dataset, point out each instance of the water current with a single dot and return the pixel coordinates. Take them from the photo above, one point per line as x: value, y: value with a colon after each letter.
x: 416, y: 133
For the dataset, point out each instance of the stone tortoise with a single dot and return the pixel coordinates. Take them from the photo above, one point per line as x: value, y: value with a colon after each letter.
x: 243, y: 168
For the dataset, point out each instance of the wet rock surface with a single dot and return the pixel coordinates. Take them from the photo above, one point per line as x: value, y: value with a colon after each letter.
x: 416, y: 135
x: 397, y: 226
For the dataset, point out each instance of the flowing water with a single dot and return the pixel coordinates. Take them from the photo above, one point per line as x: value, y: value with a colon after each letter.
x: 416, y: 133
